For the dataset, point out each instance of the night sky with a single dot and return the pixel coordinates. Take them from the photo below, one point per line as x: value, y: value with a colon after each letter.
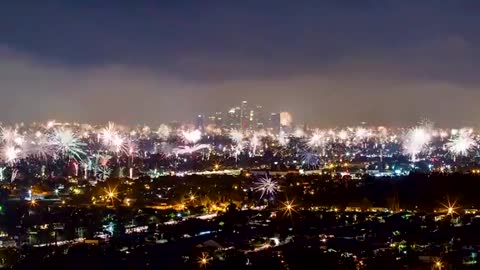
x: 333, y: 62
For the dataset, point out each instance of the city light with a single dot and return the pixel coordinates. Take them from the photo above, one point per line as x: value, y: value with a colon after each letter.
x: 450, y: 208
x: 204, y: 260
x: 240, y: 134
x: 438, y: 264
x: 288, y: 208
x: 111, y: 194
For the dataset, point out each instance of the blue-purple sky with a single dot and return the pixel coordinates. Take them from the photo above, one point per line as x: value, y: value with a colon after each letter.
x: 329, y: 62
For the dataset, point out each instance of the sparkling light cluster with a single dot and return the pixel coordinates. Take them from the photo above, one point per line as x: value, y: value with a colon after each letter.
x: 298, y: 148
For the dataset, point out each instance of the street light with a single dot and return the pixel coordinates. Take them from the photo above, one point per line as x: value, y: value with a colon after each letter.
x: 288, y: 207
x: 203, y: 260
x: 111, y: 194
x: 438, y: 264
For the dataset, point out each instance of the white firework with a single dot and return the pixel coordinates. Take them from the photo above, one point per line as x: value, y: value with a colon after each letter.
x: 416, y: 141
x: 163, y: 131
x: 11, y: 153
x: 11, y: 136
x: 113, y: 140
x: 38, y: 147
x: 236, y: 136
x: 65, y: 142
x: 119, y: 144
x: 131, y: 147
x: 283, y: 139
x: 183, y: 150
x: 255, y: 143
x: 146, y: 130
x: 108, y: 134
x: 443, y: 134
x: 192, y: 136
x: 237, y: 150
x: 382, y: 134
x: 262, y: 133
x: 14, y: 175
x: 50, y: 124
x: 343, y: 135
x: 165, y: 148
x: 361, y: 133
x: 461, y: 143
x: 317, y: 139
x: 299, y: 133
x: 103, y: 172
x: 267, y: 186
x: 154, y: 173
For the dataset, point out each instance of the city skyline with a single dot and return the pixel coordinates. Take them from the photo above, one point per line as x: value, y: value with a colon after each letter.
x: 328, y: 62
x: 251, y: 134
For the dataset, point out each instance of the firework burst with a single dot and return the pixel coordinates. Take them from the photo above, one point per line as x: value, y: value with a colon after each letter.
x: 163, y: 131
x: 361, y: 133
x: 267, y: 186
x: 11, y: 153
x: 310, y: 159
x: 236, y: 136
x: 184, y: 150
x: 255, y: 143
x: 192, y: 136
x: 343, y: 135
x: 11, y: 136
x: 283, y: 139
x: 38, y: 147
x: 317, y: 139
x: 416, y: 141
x: 119, y: 144
x: 299, y: 133
x: 108, y: 134
x: 103, y: 172
x: 236, y: 151
x: 65, y: 142
x: 461, y: 143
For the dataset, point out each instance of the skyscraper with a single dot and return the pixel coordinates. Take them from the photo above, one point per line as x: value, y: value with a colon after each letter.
x: 200, y: 122
x: 219, y: 121
x: 244, y: 116
x: 259, y: 118
x: 234, y: 118
x: 275, y: 123
x: 286, y: 119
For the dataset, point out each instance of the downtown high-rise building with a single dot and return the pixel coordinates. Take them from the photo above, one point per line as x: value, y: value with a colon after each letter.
x: 246, y: 118
x: 234, y: 117
x: 275, y: 123
x: 218, y: 120
x: 258, y: 120
x: 200, y: 122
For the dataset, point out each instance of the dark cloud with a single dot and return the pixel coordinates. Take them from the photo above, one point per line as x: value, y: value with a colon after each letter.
x: 330, y: 62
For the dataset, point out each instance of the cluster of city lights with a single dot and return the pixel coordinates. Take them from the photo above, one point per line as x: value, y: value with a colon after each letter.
x: 91, y: 148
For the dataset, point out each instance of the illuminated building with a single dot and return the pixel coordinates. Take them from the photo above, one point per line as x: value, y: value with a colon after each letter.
x: 219, y: 122
x: 275, y: 123
x: 258, y: 118
x: 234, y: 118
x: 286, y: 119
x: 200, y: 122
x: 244, y: 116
